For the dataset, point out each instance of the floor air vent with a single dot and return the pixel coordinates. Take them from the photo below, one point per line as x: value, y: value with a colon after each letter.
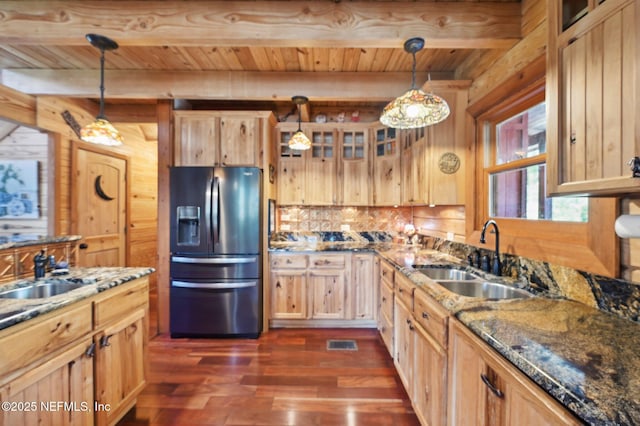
x: 342, y: 345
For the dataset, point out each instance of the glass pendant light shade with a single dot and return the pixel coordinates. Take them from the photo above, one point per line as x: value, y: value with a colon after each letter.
x: 415, y: 108
x: 299, y: 140
x: 101, y: 131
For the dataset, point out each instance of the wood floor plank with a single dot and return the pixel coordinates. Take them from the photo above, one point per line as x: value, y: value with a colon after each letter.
x: 286, y: 377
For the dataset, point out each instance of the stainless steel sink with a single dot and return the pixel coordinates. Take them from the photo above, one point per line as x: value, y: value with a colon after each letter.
x: 484, y: 289
x: 40, y: 290
x: 446, y: 273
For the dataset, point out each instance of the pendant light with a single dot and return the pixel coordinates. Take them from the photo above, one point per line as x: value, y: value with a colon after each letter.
x: 415, y: 108
x: 299, y: 140
x: 101, y: 131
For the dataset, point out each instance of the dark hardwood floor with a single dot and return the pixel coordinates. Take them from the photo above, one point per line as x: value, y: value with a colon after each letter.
x: 286, y: 377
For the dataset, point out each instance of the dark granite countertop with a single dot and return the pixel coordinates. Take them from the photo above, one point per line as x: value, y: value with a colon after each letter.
x: 93, y: 280
x: 585, y: 358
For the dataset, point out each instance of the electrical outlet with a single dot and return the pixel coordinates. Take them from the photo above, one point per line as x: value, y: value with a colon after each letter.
x: 450, y: 236
x: 345, y: 228
x: 285, y: 227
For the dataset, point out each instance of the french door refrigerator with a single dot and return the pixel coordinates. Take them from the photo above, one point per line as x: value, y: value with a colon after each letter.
x: 216, y: 259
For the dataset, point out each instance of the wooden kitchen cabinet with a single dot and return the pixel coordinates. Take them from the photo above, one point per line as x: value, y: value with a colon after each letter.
x: 57, y: 392
x: 485, y: 389
x: 90, y: 355
x: 321, y: 289
x: 386, y: 305
x: 592, y: 98
x: 354, y: 167
x: 120, y: 366
x: 221, y: 138
x: 429, y: 393
x: 120, y: 317
x: 387, y: 177
x: 432, y: 157
x: 403, y: 338
x: 363, y: 286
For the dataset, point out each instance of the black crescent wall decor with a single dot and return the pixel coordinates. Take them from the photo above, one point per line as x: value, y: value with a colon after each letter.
x: 100, y: 191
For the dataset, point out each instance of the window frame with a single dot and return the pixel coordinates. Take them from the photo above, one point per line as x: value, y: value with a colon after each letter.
x: 589, y: 246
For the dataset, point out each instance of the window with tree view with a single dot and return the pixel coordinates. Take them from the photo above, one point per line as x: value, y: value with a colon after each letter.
x: 515, y: 169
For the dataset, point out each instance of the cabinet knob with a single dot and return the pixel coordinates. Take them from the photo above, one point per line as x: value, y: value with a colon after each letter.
x: 104, y: 341
x: 573, y: 139
x: 425, y: 315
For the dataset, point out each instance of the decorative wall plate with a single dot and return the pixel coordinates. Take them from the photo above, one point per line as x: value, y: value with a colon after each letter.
x: 449, y: 163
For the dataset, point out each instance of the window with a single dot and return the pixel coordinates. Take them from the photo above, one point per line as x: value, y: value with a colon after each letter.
x: 515, y: 168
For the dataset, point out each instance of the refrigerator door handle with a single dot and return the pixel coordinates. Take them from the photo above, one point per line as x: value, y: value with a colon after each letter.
x: 216, y: 260
x: 215, y: 210
x: 215, y: 285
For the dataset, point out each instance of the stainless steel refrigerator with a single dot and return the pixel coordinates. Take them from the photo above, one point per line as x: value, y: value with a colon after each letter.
x: 216, y: 259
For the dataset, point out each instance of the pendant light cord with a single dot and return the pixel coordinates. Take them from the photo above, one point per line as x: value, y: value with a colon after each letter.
x: 101, y: 113
x: 413, y: 72
x: 299, y: 119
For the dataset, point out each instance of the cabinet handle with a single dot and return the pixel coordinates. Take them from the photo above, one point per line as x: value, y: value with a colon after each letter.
x: 573, y: 139
x: 104, y: 341
x: 399, y: 290
x: 497, y: 392
x: 425, y: 315
x: 91, y: 350
x: 384, y: 299
x: 408, y: 321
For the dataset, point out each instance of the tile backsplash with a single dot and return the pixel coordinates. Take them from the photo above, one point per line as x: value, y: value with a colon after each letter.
x: 310, y: 218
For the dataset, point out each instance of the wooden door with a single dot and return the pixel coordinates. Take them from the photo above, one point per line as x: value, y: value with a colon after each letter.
x: 239, y: 141
x: 291, y: 176
x: 403, y: 332
x: 99, y: 212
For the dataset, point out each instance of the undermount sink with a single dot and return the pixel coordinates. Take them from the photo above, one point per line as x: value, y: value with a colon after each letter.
x: 40, y: 290
x: 484, y: 289
x: 446, y: 273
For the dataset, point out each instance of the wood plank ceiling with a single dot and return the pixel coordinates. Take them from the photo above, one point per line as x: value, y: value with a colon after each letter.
x: 254, y: 52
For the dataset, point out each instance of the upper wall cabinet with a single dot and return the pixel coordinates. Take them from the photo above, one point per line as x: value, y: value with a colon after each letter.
x: 220, y: 138
x: 335, y: 171
x: 433, y: 156
x: 592, y: 97
x: 387, y: 178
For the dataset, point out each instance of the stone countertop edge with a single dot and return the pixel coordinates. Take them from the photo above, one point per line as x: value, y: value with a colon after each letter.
x: 40, y: 241
x: 585, y: 358
x: 93, y: 280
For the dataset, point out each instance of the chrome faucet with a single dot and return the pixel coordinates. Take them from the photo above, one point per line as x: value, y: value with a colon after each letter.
x: 497, y: 267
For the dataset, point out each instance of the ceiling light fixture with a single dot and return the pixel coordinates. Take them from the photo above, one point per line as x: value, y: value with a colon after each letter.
x: 101, y: 131
x: 415, y: 108
x: 299, y: 140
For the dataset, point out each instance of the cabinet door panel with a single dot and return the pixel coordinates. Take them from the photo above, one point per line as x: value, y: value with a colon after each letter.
x: 403, y: 341
x: 289, y: 294
x: 196, y: 139
x: 363, y: 287
x: 64, y: 379
x: 328, y: 292
x: 120, y: 371
x: 430, y: 379
x: 239, y: 141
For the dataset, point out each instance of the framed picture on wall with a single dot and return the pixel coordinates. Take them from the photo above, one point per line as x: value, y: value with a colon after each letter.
x: 19, y: 189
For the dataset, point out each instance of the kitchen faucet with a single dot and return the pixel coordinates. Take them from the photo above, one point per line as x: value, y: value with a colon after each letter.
x: 496, y: 261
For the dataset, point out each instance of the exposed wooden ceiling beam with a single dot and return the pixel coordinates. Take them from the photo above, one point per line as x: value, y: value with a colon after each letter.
x: 231, y: 85
x: 263, y: 23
